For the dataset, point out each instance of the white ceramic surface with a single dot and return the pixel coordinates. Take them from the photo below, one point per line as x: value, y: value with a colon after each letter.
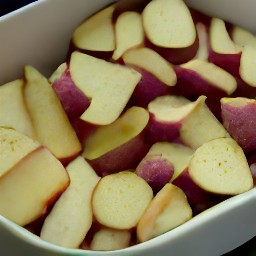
x: 39, y: 35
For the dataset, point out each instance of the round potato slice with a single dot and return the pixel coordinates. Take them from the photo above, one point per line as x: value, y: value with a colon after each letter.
x: 120, y: 199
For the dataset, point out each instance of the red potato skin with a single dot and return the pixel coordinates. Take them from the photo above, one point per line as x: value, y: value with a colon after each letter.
x: 240, y: 122
x: 231, y: 63
x: 175, y: 56
x: 148, y: 89
x: 158, y: 131
x: 191, y: 85
x: 74, y: 103
x: 156, y: 171
x: 125, y: 157
x: 228, y: 62
x: 198, y: 198
x: 72, y: 99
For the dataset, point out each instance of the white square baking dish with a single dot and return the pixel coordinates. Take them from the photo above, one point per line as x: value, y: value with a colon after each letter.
x: 39, y: 35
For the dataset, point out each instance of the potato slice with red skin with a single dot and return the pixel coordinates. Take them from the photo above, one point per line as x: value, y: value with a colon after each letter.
x: 107, y: 239
x: 220, y: 166
x: 122, y: 140
x: 167, y: 114
x: 198, y: 198
x: 148, y: 88
x: 155, y: 170
x: 174, y: 117
x: 223, y: 51
x: 205, y: 79
x: 72, y: 99
x: 247, y: 41
x: 232, y: 56
x: 177, y: 154
x: 199, y: 77
x: 108, y: 85
x: 152, y: 62
x: 160, y: 19
x: 217, y: 170
x: 158, y: 75
x: 163, y: 163
x: 129, y: 155
x: 175, y: 56
x: 239, y: 118
x: 229, y: 62
x: 120, y: 199
x: 220, y: 40
x: 167, y: 210
x: 51, y: 124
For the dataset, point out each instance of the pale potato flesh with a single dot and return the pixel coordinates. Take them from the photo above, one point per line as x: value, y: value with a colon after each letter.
x: 213, y: 74
x: 13, y: 109
x: 58, y: 72
x: 170, y: 108
x: 220, y: 40
x: 201, y: 126
x: 123, y: 130
x: 152, y: 62
x: 164, y: 19
x: 13, y: 147
x: 220, y: 166
x: 69, y: 229
x: 129, y: 33
x: 33, y: 183
x: 107, y: 239
x: 51, y: 124
x: 247, y: 67
x: 167, y: 210
x: 97, y: 32
x: 178, y: 154
x: 242, y: 36
x: 202, y: 52
x: 109, y: 86
x: 120, y: 199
